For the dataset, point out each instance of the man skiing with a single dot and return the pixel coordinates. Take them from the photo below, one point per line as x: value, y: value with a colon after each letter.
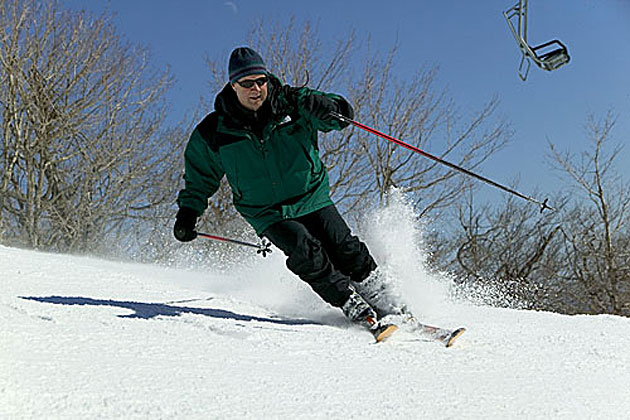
x: 262, y: 135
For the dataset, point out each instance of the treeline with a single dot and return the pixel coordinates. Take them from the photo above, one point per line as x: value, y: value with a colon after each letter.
x: 85, y: 150
x: 89, y: 163
x: 572, y: 260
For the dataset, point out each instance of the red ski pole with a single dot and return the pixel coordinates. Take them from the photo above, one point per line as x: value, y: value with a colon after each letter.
x: 543, y: 205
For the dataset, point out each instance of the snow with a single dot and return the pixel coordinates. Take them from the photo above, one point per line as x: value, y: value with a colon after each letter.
x: 88, y: 338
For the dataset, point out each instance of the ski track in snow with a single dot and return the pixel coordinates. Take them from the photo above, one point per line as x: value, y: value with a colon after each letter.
x: 87, y: 338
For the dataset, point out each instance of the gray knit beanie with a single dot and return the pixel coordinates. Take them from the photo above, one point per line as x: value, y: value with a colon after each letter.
x: 243, y: 62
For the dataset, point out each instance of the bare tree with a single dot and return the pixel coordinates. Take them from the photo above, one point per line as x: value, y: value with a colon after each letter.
x: 505, y: 256
x: 417, y: 112
x: 82, y: 118
x: 574, y: 260
x: 596, y: 230
x: 301, y: 57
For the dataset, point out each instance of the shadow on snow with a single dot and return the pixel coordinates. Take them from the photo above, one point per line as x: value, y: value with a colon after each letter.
x: 151, y: 310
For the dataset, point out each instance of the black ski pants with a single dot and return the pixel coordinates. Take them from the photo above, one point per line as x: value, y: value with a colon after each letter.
x: 322, y: 251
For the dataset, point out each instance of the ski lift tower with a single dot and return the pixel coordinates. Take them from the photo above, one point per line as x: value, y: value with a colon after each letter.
x: 548, y: 56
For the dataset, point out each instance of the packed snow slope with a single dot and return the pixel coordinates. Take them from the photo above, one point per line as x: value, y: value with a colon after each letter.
x: 88, y: 338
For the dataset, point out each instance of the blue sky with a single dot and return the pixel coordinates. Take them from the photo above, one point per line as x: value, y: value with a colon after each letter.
x: 469, y: 40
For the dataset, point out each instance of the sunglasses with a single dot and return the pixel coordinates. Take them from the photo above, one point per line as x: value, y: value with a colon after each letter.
x: 249, y: 83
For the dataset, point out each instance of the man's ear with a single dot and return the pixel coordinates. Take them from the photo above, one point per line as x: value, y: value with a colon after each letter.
x: 233, y: 86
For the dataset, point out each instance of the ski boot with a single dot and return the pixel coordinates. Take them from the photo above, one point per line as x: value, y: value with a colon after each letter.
x: 360, y: 312
x: 379, y: 295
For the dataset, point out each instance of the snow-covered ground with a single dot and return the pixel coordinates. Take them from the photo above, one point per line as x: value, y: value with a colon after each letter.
x: 87, y: 338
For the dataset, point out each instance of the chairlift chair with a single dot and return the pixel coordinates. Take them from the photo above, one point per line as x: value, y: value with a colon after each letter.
x: 548, y: 56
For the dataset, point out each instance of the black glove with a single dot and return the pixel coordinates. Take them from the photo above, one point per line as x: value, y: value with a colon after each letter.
x: 320, y: 106
x: 185, y: 221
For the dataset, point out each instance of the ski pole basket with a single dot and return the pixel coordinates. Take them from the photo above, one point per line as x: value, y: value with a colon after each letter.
x: 548, y: 56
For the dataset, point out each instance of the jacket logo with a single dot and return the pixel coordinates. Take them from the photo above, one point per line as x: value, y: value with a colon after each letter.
x: 286, y: 120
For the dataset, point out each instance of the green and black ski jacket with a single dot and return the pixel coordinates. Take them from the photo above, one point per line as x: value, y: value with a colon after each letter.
x: 270, y: 157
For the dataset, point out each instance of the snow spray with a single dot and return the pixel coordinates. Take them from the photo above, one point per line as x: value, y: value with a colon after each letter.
x: 394, y: 235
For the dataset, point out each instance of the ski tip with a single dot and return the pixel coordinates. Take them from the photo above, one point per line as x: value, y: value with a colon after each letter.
x: 385, y: 332
x: 454, y: 336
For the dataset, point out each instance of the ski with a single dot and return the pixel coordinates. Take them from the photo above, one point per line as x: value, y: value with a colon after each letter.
x: 382, y: 332
x: 442, y: 335
x: 445, y: 336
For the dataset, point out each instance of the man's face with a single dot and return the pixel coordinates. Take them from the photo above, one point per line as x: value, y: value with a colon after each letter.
x: 252, y: 97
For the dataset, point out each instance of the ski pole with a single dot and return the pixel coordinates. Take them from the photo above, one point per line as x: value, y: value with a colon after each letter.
x: 543, y: 205
x: 263, y: 248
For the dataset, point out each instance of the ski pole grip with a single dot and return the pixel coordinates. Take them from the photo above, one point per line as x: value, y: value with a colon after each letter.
x: 340, y: 117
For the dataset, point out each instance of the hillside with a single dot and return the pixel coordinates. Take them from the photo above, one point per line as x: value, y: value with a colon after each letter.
x: 87, y: 338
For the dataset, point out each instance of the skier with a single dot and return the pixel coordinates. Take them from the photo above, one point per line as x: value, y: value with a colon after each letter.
x: 262, y: 135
